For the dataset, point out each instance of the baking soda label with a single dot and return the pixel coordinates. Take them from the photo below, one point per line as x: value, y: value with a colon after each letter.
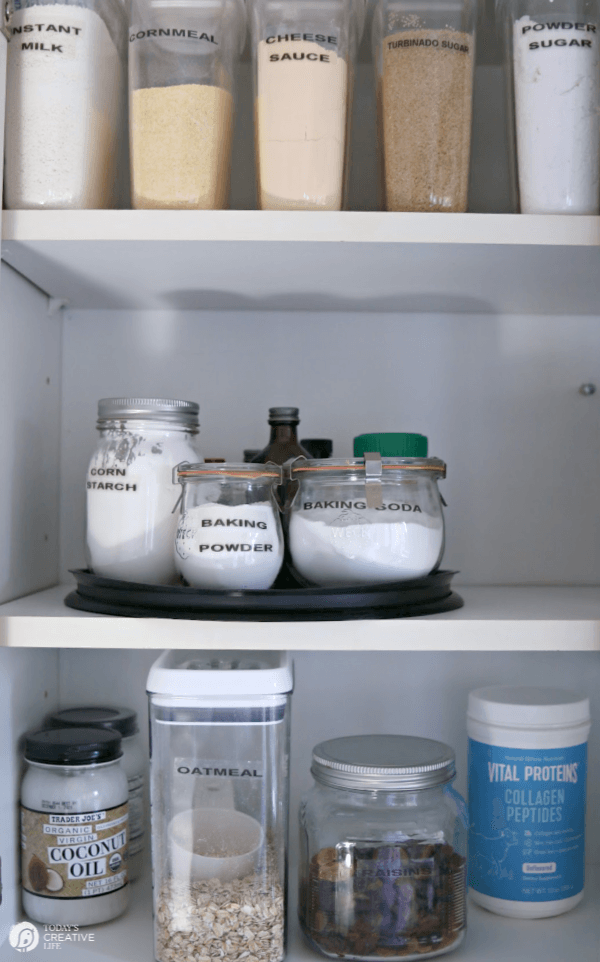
x: 527, y: 821
x: 74, y: 855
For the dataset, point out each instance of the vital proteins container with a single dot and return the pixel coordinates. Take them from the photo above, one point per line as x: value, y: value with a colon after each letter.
x: 64, y: 106
x: 74, y: 827
x: 131, y: 497
x: 219, y: 769
x: 424, y: 56
x: 366, y: 520
x: 134, y: 763
x: 383, y: 844
x: 527, y: 787
x: 552, y: 56
x: 229, y: 534
x: 303, y: 57
x: 182, y: 59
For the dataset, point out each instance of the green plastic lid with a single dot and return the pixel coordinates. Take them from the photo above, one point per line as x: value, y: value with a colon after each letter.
x: 391, y: 445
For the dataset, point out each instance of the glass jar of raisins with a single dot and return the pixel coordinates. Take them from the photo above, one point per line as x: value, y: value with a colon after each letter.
x: 383, y: 844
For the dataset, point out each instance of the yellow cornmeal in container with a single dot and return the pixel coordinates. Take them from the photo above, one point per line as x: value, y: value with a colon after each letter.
x: 180, y: 146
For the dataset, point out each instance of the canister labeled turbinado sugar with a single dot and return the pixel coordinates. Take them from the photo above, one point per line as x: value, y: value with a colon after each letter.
x: 425, y: 116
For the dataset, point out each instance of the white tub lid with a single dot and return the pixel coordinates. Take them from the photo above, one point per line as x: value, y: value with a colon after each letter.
x: 516, y: 707
x: 221, y: 673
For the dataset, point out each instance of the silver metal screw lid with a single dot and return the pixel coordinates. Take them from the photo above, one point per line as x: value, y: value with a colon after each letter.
x: 395, y: 763
x: 148, y: 409
x: 283, y: 415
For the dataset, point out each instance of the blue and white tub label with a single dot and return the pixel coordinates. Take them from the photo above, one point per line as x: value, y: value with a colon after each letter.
x: 526, y: 821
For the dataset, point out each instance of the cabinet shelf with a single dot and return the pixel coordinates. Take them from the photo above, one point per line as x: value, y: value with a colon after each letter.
x: 320, y: 261
x: 493, y: 619
x: 573, y: 936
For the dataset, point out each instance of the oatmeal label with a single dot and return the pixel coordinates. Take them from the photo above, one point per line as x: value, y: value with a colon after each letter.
x: 527, y: 815
x: 79, y: 855
x: 211, y: 768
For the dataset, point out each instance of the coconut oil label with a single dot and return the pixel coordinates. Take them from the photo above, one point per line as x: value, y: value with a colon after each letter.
x: 526, y: 834
x: 74, y: 855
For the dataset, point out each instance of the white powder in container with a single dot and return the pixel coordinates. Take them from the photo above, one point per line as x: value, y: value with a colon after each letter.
x: 301, y: 121
x: 557, y: 92
x: 344, y: 548
x: 63, y: 101
x: 131, y: 526
x: 229, y: 547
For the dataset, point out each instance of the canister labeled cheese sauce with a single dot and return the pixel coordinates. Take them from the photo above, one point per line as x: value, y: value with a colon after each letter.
x: 527, y: 785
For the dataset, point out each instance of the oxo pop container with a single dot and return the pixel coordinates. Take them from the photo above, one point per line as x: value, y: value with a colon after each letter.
x: 424, y: 56
x: 552, y: 57
x: 527, y: 781
x: 219, y: 768
x: 182, y: 60
x: 304, y: 57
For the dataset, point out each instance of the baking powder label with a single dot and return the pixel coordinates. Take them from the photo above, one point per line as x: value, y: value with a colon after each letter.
x: 74, y: 855
x: 527, y: 821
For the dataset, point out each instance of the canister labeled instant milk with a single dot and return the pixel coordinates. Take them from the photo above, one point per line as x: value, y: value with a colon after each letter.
x: 527, y: 784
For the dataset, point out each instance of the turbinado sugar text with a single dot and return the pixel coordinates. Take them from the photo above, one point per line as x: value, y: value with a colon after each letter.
x: 422, y: 42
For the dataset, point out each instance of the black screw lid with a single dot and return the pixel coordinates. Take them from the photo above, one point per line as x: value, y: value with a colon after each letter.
x: 122, y: 720
x: 73, y: 746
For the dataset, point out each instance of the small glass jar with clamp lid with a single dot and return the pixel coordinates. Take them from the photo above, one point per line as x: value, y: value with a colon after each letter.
x: 383, y: 844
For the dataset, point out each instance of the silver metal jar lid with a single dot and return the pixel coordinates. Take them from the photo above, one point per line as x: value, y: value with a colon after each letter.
x: 394, y: 763
x: 148, y: 409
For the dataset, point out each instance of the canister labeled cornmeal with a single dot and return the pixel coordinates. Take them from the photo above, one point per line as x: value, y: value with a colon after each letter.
x: 527, y: 786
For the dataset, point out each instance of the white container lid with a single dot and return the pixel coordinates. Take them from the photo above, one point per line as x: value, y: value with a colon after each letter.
x: 210, y: 674
x: 520, y: 707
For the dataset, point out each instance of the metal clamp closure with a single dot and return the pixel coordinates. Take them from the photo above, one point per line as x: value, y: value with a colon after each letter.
x: 373, y: 473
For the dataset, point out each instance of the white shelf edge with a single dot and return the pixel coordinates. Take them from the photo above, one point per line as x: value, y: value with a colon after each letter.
x: 373, y: 227
x: 493, y: 619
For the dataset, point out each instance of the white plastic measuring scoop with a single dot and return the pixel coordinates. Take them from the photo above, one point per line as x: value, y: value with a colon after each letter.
x: 214, y: 843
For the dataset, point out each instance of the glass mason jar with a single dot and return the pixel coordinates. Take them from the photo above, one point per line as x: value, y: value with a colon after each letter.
x: 182, y: 58
x: 424, y: 57
x: 74, y: 867
x: 64, y: 104
x: 552, y: 57
x: 219, y: 784
x: 131, y: 497
x: 229, y: 534
x: 353, y: 524
x: 383, y: 844
x: 304, y: 57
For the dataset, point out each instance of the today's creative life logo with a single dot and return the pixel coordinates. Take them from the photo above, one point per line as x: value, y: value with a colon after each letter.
x: 23, y: 937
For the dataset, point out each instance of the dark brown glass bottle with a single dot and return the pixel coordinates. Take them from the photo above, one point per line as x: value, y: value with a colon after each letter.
x: 283, y: 443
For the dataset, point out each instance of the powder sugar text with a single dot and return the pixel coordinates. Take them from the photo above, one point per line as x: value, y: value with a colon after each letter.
x: 560, y: 41
x: 533, y: 805
x: 45, y: 28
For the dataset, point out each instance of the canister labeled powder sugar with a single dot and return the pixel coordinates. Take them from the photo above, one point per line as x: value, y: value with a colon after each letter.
x: 347, y: 548
x: 557, y: 98
x: 225, y: 546
x: 180, y: 146
x: 62, y: 109
x: 425, y: 115
x: 301, y: 121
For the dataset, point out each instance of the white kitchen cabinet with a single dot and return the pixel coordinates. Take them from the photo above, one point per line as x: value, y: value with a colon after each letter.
x: 477, y: 330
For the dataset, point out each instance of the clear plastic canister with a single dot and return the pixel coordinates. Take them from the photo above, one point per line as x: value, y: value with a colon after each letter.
x: 229, y: 534
x: 303, y: 61
x: 64, y: 104
x: 424, y: 56
x: 131, y: 497
x: 182, y: 59
x: 219, y: 773
x: 383, y: 845
x: 366, y: 520
x: 552, y: 56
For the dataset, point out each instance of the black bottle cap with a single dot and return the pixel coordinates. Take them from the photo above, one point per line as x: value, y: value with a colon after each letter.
x: 318, y: 447
x: 284, y: 415
x: 73, y: 746
x: 122, y: 720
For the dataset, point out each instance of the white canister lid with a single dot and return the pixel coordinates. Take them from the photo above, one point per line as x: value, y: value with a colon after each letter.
x: 528, y: 707
x: 210, y: 674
